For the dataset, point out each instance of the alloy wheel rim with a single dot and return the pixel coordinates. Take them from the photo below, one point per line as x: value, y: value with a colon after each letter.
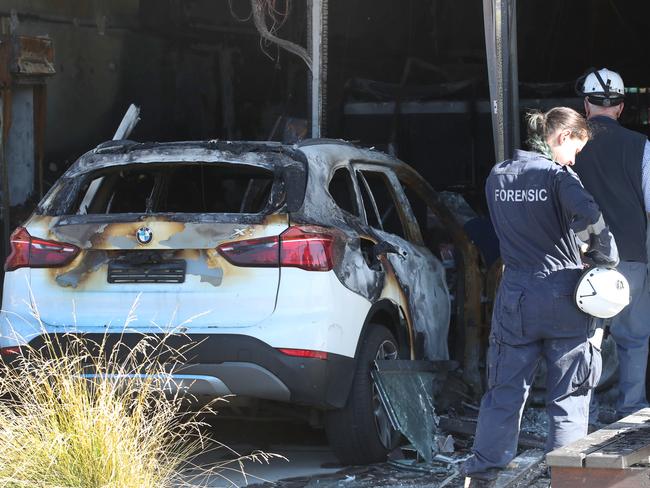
x: 386, y: 350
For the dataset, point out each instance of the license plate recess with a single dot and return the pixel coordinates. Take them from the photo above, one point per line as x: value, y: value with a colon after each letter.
x: 167, y: 271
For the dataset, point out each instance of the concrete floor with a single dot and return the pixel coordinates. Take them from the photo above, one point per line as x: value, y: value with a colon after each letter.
x: 304, y: 458
x: 307, y: 461
x: 301, y: 452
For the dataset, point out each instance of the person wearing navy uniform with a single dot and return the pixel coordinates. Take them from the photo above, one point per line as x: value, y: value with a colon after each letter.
x: 615, y: 168
x: 543, y: 217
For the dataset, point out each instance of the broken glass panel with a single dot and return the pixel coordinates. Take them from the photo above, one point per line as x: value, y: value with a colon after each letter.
x: 405, y: 389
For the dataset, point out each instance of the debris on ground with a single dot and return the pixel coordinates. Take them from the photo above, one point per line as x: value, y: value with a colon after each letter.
x: 535, y: 423
x: 452, y: 440
x: 406, y: 468
x: 383, y: 475
x: 445, y: 443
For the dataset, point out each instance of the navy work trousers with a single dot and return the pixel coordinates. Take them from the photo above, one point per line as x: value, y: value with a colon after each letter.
x: 631, y: 330
x: 535, y: 318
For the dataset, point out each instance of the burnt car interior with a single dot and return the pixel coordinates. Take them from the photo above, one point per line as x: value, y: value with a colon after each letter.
x: 342, y: 191
x: 383, y: 213
x: 175, y: 188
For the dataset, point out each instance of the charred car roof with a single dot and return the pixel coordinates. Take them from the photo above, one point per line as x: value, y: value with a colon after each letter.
x: 268, y: 155
x: 116, y: 153
x: 291, y: 163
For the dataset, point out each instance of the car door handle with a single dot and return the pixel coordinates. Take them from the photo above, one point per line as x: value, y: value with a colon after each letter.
x: 383, y: 248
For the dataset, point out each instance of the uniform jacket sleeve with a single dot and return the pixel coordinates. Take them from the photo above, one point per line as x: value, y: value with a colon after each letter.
x: 586, y: 220
x: 645, y: 176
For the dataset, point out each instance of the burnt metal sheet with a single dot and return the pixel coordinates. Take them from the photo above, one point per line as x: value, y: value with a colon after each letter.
x: 25, y: 57
x: 117, y: 153
x: 414, y: 283
x: 33, y: 56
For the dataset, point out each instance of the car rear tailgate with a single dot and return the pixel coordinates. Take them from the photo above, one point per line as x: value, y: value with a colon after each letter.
x: 211, y: 293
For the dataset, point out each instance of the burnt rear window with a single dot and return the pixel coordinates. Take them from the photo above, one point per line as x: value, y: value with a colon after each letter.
x: 342, y: 190
x: 181, y: 188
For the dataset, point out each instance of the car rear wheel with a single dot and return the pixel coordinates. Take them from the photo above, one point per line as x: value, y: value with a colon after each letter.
x: 361, y: 432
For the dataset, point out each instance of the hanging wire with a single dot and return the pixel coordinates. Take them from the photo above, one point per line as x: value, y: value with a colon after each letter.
x: 268, y: 8
x: 278, y: 18
x: 278, y: 12
x: 237, y: 17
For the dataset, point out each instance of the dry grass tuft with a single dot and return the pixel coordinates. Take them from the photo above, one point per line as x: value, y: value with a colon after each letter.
x: 80, y: 415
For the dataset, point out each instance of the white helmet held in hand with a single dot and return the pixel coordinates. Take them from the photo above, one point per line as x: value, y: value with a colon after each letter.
x: 602, y: 292
x: 602, y: 87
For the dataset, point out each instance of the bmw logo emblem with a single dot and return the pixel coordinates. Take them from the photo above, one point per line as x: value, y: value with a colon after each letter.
x: 144, y: 235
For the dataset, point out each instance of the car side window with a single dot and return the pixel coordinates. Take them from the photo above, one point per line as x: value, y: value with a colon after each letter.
x: 372, y: 214
x: 419, y: 207
x: 342, y: 191
x: 382, y: 203
x: 434, y: 235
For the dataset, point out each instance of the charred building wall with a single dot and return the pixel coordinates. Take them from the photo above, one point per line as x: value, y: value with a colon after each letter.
x: 408, y: 76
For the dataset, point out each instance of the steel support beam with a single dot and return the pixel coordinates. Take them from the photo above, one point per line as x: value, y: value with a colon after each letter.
x: 514, y: 75
x: 500, y: 22
x: 318, y: 13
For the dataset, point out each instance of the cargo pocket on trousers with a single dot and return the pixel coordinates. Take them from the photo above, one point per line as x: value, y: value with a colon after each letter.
x: 588, y: 371
x: 510, y: 326
x: 492, y: 362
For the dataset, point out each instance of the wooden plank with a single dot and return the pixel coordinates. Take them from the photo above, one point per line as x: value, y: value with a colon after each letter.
x: 607, y: 441
x: 600, y: 478
x: 628, y: 448
x: 573, y: 455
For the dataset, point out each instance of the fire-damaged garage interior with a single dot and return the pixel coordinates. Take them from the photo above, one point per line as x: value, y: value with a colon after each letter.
x: 301, y: 115
x: 404, y: 77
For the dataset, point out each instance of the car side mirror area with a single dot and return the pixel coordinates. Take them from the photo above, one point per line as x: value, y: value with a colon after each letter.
x: 372, y: 251
x: 384, y: 248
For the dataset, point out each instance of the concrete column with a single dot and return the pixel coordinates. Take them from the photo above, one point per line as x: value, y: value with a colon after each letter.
x: 19, y: 150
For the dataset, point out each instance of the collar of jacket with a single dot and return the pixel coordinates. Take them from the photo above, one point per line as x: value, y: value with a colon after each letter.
x: 521, y: 155
x: 603, y: 119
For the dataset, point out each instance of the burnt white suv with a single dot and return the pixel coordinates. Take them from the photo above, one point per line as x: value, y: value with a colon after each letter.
x: 290, y: 269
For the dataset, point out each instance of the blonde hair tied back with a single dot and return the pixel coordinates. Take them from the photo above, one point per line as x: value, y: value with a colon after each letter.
x: 541, y: 125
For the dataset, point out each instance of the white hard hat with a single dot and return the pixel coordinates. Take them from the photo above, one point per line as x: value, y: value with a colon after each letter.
x: 602, y: 292
x: 602, y: 87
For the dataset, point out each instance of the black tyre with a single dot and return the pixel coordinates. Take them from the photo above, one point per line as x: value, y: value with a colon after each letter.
x: 361, y: 432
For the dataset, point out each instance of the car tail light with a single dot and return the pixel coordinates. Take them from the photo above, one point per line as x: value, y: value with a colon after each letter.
x: 304, y: 353
x: 306, y: 250
x: 32, y: 252
x: 264, y: 252
x: 295, y: 247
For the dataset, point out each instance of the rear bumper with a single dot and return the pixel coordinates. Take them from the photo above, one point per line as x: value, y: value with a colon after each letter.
x: 223, y: 364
